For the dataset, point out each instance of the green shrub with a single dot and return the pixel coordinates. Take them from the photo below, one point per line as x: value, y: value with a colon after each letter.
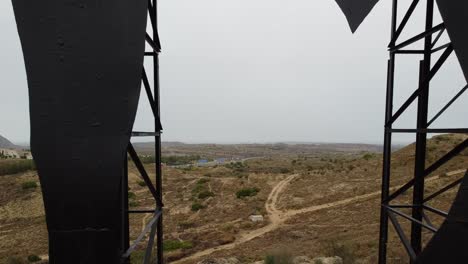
x: 16, y: 166
x: 205, y: 194
x: 137, y: 257
x: 203, y: 181
x: 237, y: 166
x: 198, y: 188
x: 142, y: 183
x: 197, y: 206
x: 279, y: 257
x: 133, y: 203
x: 285, y: 170
x: 131, y: 195
x: 29, y: 185
x: 247, y: 192
x: 171, y: 245
x: 368, y: 156
x: 34, y: 258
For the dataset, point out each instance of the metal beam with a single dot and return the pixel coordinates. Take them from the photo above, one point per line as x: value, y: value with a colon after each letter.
x: 151, y: 223
x: 413, y: 220
x: 144, y: 174
x: 418, y: 37
x: 422, y: 84
x: 443, y: 190
x: 447, y: 105
x: 402, y: 236
x: 387, y: 149
x: 404, y: 21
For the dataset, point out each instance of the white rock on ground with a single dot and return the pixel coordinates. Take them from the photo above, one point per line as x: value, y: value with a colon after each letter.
x: 256, y: 218
x: 327, y: 260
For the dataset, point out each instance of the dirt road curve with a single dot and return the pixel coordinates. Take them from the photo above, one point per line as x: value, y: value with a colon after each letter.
x: 278, y: 217
x: 273, y: 213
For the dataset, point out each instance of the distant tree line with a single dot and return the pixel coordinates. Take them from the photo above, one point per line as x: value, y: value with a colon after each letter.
x: 171, y: 160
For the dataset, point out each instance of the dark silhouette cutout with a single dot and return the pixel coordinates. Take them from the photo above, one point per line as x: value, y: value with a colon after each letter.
x: 83, y: 61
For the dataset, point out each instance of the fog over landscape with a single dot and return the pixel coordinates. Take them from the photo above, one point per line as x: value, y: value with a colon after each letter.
x: 259, y: 71
x: 272, y: 149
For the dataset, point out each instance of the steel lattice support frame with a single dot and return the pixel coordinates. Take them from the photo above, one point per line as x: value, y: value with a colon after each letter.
x: 154, y: 229
x: 390, y: 212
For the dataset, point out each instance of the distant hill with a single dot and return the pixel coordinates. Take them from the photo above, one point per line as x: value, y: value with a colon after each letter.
x: 5, y: 143
x: 254, y: 150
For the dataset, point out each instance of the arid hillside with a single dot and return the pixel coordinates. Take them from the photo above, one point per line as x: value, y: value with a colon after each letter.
x: 312, y: 202
x: 5, y: 143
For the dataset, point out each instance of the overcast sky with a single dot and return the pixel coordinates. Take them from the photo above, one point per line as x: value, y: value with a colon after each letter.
x: 260, y: 71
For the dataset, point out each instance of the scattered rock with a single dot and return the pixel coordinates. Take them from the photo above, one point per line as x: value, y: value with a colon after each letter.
x: 220, y: 261
x: 302, y: 260
x: 256, y: 218
x: 328, y: 260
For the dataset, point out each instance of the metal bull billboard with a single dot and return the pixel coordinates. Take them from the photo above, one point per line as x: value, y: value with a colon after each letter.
x: 83, y: 62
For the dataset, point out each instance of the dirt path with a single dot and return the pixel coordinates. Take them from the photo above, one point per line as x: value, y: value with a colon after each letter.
x: 273, y: 213
x: 278, y: 217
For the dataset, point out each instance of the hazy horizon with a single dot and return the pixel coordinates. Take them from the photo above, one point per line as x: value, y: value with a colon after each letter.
x: 262, y: 71
x: 395, y: 143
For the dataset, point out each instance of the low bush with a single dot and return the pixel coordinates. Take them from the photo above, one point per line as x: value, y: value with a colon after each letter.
x: 131, y: 200
x: 16, y: 166
x: 141, y: 183
x: 368, y: 156
x: 197, y: 206
x: 279, y: 257
x: 198, y: 188
x: 171, y: 245
x: 34, y: 258
x: 133, y: 203
x: 247, y: 192
x: 29, y: 185
x: 205, y: 194
x: 131, y: 195
x: 203, y: 181
x: 237, y: 166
